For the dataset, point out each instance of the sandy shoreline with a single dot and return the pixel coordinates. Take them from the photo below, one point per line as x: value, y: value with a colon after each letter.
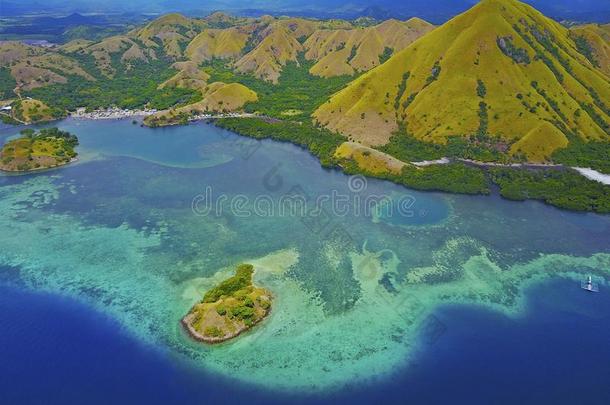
x: 38, y: 169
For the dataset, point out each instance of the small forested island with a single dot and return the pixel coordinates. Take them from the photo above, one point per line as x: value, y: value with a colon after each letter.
x: 47, y: 148
x: 233, y: 306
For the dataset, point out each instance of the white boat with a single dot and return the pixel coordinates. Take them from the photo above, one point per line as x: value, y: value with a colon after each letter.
x: 589, y: 285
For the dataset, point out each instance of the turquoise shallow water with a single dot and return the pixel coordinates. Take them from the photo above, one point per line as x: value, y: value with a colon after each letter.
x: 127, y: 229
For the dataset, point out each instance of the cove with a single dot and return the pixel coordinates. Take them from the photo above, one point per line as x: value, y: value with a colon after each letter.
x: 118, y: 233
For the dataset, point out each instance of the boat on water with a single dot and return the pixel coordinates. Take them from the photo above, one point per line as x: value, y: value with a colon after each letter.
x: 589, y: 285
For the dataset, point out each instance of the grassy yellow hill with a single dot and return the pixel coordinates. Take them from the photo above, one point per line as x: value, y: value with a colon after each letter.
x: 172, y: 30
x: 31, y: 110
x: 500, y: 69
x: 215, y: 97
x: 166, y: 36
x: 593, y: 41
x: 266, y: 60
x: 127, y: 49
x: 344, y: 52
x: 368, y: 159
x: 222, y: 97
x: 218, y: 44
x: 540, y: 142
x: 189, y: 76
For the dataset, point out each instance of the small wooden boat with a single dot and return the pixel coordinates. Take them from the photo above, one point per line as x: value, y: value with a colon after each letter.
x: 589, y: 285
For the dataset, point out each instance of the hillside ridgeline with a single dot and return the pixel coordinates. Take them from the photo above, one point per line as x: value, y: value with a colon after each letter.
x: 501, y: 70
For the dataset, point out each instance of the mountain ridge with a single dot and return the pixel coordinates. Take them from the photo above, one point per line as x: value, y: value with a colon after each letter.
x: 500, y: 69
x: 416, y: 78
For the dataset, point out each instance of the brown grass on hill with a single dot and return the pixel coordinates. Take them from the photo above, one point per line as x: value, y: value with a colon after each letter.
x: 33, y: 67
x: 368, y: 159
x: 75, y: 45
x: 102, y: 52
x: 218, y: 43
x: 277, y: 48
x: 216, y: 97
x: 344, y: 52
x: 29, y: 77
x: 172, y: 29
x: 12, y: 52
x: 30, y: 110
x: 189, y: 76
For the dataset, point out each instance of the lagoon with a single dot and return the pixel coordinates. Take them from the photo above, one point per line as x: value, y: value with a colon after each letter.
x: 116, y: 236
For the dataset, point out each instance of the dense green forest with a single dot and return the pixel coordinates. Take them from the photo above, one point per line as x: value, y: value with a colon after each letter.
x: 592, y: 154
x: 562, y: 188
x: 322, y: 143
x: 7, y: 84
x: 456, y: 178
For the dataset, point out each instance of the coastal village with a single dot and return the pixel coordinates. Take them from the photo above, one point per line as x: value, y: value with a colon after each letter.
x: 121, y: 113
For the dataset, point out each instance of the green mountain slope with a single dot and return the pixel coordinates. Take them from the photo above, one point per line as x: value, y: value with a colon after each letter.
x: 500, y: 69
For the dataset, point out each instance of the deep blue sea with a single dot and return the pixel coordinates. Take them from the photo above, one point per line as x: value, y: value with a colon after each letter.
x: 55, y: 350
